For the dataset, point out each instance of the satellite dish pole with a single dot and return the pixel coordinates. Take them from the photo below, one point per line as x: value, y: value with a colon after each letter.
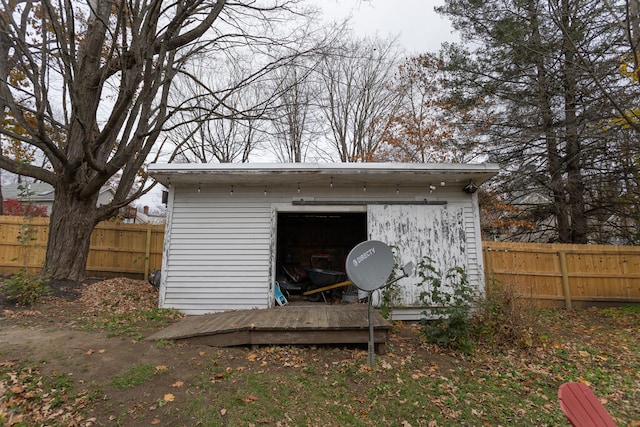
x: 369, y: 266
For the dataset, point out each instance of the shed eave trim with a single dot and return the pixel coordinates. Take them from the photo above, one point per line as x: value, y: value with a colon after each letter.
x: 282, y: 173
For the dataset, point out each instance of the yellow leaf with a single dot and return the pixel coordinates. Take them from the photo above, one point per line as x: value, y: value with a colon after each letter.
x: 250, y: 398
x: 583, y: 381
x: 102, y: 350
x: 169, y: 397
x: 161, y: 368
x: 223, y: 412
x: 90, y: 351
x: 202, y: 353
x: 155, y: 421
x: 177, y: 384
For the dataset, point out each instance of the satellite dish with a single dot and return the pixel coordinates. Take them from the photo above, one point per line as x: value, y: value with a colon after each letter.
x: 370, y: 264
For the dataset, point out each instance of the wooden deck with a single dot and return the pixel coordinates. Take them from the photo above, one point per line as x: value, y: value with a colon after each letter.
x: 317, y: 324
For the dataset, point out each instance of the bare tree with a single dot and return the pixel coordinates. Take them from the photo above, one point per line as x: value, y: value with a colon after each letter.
x: 233, y: 105
x: 429, y: 126
x: 357, y: 97
x: 95, y: 95
x: 290, y: 140
x: 220, y: 119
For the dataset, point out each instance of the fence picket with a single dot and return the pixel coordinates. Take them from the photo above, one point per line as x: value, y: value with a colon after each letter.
x: 557, y: 275
x: 116, y: 249
x: 584, y: 275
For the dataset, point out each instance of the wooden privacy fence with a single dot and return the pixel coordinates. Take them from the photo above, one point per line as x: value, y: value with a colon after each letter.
x: 565, y: 275
x: 548, y: 274
x: 116, y: 249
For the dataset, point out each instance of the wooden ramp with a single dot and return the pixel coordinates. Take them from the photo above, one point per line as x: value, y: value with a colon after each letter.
x: 318, y: 324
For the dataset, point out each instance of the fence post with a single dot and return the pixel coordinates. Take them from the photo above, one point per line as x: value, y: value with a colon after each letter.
x: 488, y: 271
x: 565, y: 280
x: 147, y: 254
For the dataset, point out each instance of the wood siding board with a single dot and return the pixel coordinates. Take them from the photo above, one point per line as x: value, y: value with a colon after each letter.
x: 417, y: 231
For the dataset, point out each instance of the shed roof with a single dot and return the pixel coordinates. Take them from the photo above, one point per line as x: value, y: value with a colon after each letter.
x: 382, y: 174
x: 37, y: 191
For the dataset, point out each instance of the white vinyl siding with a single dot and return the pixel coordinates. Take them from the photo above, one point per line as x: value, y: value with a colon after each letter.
x: 475, y: 264
x: 220, y: 247
x: 219, y: 255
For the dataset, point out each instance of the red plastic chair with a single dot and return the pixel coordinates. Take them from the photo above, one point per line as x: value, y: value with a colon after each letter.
x: 581, y: 407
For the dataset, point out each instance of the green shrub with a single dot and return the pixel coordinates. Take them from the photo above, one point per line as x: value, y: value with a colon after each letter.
x: 450, y: 299
x: 24, y: 289
x: 391, y: 293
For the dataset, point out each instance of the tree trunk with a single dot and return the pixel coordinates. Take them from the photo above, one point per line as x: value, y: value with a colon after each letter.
x: 575, y: 184
x: 71, y: 224
x: 554, y: 162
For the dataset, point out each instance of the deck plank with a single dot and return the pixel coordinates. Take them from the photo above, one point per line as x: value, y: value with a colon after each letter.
x: 318, y: 324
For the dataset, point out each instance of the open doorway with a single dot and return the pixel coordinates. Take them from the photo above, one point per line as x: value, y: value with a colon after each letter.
x: 312, y: 248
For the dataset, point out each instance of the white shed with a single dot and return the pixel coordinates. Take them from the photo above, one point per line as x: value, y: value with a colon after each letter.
x: 231, y: 226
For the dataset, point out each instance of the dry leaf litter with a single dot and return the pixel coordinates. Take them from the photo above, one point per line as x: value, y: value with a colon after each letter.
x: 114, y: 296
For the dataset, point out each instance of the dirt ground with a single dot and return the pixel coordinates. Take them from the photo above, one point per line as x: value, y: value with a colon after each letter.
x: 64, y: 338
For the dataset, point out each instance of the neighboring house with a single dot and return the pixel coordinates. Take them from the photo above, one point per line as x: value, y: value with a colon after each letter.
x: 606, y: 229
x: 135, y: 215
x: 42, y: 194
x: 231, y: 227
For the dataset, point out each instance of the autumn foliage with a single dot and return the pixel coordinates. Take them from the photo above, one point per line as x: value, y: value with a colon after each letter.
x: 431, y: 125
x: 13, y: 207
x: 500, y: 218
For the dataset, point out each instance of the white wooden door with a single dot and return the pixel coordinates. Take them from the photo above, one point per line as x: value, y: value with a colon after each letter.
x: 416, y: 231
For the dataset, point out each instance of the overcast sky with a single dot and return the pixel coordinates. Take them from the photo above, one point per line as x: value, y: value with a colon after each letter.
x: 420, y: 28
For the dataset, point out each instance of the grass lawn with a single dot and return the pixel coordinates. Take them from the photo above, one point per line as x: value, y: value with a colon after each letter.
x: 98, y: 373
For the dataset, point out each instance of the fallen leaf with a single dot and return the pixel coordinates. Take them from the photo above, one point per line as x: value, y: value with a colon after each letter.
x: 102, y: 350
x: 161, y: 368
x: 169, y: 397
x: 583, y: 381
x: 202, y: 353
x: 177, y: 384
x: 90, y: 351
x: 223, y: 412
x: 250, y: 398
x: 155, y: 421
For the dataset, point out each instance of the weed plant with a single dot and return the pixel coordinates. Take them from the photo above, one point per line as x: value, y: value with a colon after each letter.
x: 23, y: 288
x: 506, y: 319
x: 459, y: 318
x: 450, y: 299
